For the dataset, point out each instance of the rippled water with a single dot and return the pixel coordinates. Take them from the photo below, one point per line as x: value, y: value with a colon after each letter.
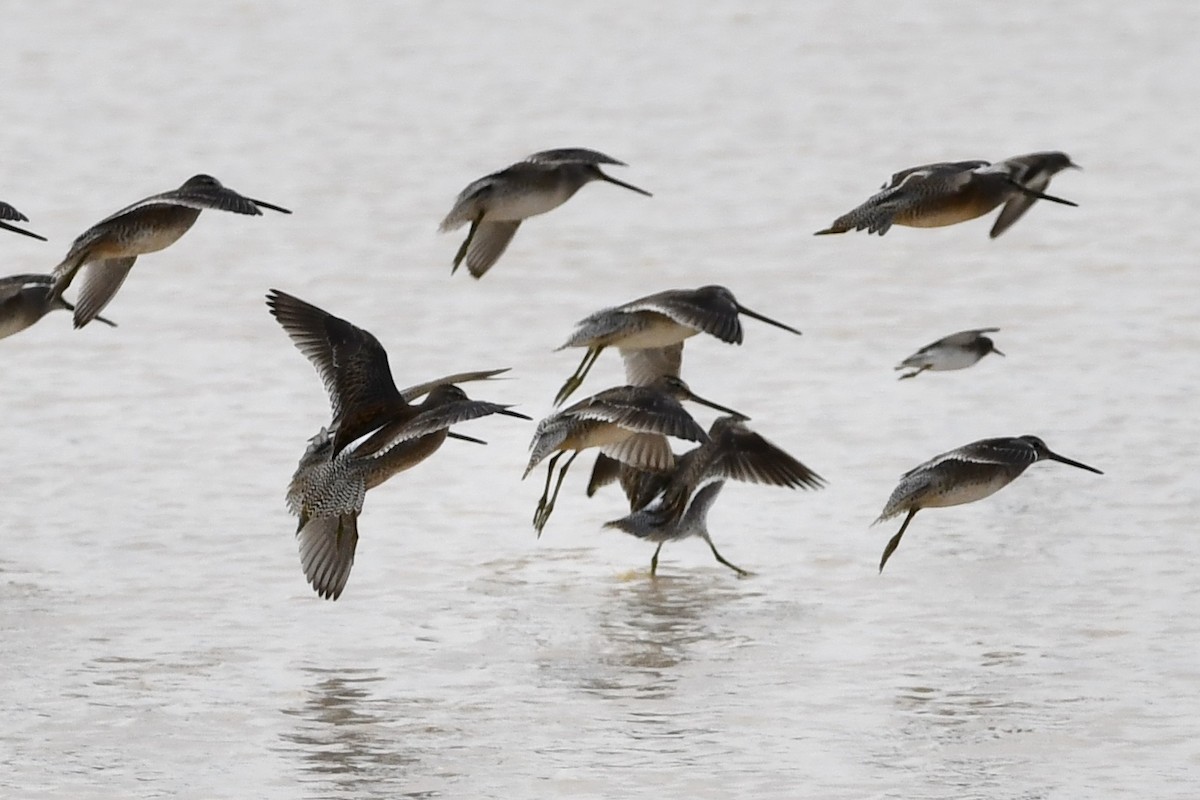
x: 159, y: 638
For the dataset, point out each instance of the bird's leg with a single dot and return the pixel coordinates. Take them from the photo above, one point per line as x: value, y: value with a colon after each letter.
x: 545, y: 491
x: 562, y: 473
x: 894, y: 542
x: 545, y: 510
x: 741, y: 572
x: 462, y: 251
x: 914, y: 374
x: 576, y: 380
x: 654, y: 560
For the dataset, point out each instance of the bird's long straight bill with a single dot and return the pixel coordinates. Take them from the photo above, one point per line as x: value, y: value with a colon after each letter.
x: 697, y: 399
x: 464, y: 438
x: 755, y: 315
x: 1069, y: 462
x: 273, y: 207
x: 625, y: 185
x: 22, y: 231
x: 1042, y: 196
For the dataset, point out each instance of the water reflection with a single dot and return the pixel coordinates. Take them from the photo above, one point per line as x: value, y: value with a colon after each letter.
x: 974, y: 724
x: 351, y: 743
x: 987, y: 707
x: 651, y: 627
x: 954, y: 707
x: 627, y: 638
x: 628, y: 658
x: 654, y: 638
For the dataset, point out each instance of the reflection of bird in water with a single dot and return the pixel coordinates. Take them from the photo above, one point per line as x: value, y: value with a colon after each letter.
x: 628, y: 423
x: 674, y: 505
x: 497, y: 204
x: 654, y: 325
x: 648, y: 630
x: 956, y: 351
x: 344, y: 734
x: 25, y: 299
x: 964, y: 475
x: 383, y: 431
x: 949, y: 192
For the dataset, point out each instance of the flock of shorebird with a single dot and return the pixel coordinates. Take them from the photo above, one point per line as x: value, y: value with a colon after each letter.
x: 378, y: 430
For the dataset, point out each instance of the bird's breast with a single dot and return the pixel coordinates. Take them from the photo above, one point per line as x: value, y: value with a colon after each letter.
x: 18, y: 313
x: 592, y: 433
x: 515, y: 203
x: 402, y: 457
x: 648, y: 330
x: 950, y: 490
x: 148, y: 232
x: 947, y: 358
x: 950, y: 209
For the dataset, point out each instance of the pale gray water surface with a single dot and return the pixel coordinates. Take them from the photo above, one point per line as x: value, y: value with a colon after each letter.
x: 158, y: 637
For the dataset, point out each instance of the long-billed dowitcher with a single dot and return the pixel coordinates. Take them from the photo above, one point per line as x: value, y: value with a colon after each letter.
x: 25, y: 299
x: 495, y: 205
x: 628, y: 423
x: 964, y: 475
x: 956, y: 351
x: 935, y: 195
x: 655, y: 322
x: 643, y: 367
x: 1033, y: 171
x: 8, y: 214
x: 327, y: 491
x: 106, y: 251
x: 377, y: 432
x: 353, y: 366
x: 674, y: 505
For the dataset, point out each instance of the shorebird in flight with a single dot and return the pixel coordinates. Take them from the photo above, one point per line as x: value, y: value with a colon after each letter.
x: 964, y: 475
x: 497, y: 204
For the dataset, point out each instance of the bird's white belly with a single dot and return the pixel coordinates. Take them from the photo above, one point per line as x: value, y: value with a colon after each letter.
x: 601, y: 435
x: 955, y: 493
x: 948, y: 358
x: 151, y: 240
x: 519, y: 205
x: 655, y: 331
